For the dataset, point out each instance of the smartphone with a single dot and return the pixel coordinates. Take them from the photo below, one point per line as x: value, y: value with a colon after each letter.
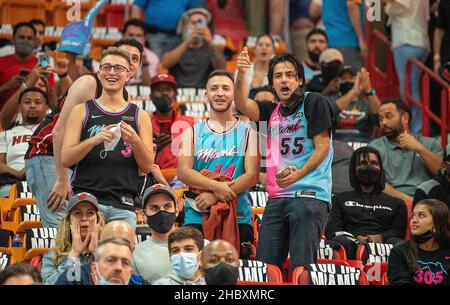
x: 24, y: 72
x: 283, y: 173
x: 43, y: 60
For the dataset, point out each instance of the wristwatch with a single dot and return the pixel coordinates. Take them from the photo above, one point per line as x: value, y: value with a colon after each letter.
x: 370, y: 92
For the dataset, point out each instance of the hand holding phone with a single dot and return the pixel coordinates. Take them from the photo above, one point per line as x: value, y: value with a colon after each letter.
x: 283, y: 173
x: 24, y: 72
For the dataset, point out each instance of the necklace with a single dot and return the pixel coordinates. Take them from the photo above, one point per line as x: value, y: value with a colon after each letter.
x: 114, y: 109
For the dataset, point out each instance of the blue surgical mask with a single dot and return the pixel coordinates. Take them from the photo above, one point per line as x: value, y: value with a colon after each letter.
x: 184, y: 264
x: 101, y: 281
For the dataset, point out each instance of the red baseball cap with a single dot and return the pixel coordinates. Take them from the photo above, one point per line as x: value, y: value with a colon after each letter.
x: 163, y: 78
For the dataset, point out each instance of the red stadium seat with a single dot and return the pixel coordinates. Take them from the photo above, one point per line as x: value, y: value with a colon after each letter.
x: 301, y: 276
x: 409, y: 207
x: 375, y: 272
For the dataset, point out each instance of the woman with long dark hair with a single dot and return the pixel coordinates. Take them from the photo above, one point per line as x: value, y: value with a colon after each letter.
x: 425, y: 258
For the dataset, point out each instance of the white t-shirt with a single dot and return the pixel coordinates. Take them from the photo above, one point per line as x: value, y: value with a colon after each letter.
x: 14, y: 143
x: 409, y: 20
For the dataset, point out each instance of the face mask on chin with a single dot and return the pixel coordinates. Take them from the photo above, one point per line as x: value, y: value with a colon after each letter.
x: 101, y: 281
x: 424, y: 237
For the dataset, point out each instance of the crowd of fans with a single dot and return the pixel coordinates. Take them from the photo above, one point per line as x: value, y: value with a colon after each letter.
x: 309, y: 129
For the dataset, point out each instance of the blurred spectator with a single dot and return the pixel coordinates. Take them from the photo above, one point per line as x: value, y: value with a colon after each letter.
x: 162, y: 18
x: 424, y: 258
x: 408, y: 159
x: 344, y: 23
x: 20, y: 274
x: 255, y: 16
x: 439, y: 186
x: 355, y: 107
x: 409, y: 27
x: 185, y: 246
x: 441, y: 39
x: 16, y: 67
x: 327, y: 82
x: 342, y: 153
x: 113, y: 262
x: 195, y: 57
x: 151, y: 258
x: 10, y: 114
x: 316, y: 43
x: 264, y: 93
x: 167, y: 122
x: 39, y: 26
x: 135, y: 29
x: 301, y: 24
x: 257, y: 74
x: 220, y: 263
x: 277, y: 11
x: 33, y: 105
x: 365, y: 214
x: 76, y: 238
x: 109, y: 137
x: 315, y: 11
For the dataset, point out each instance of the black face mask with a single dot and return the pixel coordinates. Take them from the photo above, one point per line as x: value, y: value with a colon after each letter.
x: 313, y: 56
x: 162, y: 103
x: 293, y: 102
x: 221, y: 274
x: 330, y: 73
x: 162, y: 221
x: 367, y: 175
x: 424, y: 237
x: 345, y: 87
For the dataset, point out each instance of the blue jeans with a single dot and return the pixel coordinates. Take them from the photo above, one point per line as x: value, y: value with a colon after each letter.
x: 4, y: 190
x: 41, y: 177
x: 401, y: 56
x: 161, y: 43
x: 111, y: 213
x: 292, y: 225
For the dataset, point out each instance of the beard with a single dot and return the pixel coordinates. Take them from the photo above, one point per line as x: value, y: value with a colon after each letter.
x: 211, y: 104
x: 29, y: 119
x: 394, y: 132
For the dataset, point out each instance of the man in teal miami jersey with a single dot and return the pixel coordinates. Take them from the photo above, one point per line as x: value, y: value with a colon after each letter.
x: 298, y: 145
x: 226, y: 145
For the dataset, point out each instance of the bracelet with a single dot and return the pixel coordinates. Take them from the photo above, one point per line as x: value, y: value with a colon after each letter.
x: 63, y: 75
x: 370, y: 92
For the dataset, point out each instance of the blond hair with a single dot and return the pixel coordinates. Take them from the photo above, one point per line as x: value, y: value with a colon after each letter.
x: 63, y: 240
x: 117, y: 52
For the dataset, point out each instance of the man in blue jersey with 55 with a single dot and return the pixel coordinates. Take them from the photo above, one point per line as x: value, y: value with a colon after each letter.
x: 225, y: 145
x: 298, y: 162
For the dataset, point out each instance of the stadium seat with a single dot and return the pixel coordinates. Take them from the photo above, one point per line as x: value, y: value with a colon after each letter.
x: 112, y: 15
x: 5, y: 258
x: 373, y: 252
x: 38, y: 241
x: 24, y: 10
x: 301, y: 276
x: 59, y: 12
x: 384, y: 279
x: 257, y: 271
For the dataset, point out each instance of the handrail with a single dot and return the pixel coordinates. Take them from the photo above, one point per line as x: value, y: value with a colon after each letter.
x: 424, y: 103
x: 386, y: 82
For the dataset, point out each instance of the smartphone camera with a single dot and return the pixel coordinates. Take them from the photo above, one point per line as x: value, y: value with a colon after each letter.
x: 43, y: 60
x: 201, y: 23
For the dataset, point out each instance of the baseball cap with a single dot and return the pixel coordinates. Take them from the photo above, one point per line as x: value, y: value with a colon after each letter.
x: 158, y: 188
x: 347, y: 68
x: 163, y: 78
x: 184, y: 19
x: 330, y: 55
x: 82, y: 197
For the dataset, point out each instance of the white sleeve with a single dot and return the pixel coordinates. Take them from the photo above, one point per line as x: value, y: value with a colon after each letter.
x: 3, y: 149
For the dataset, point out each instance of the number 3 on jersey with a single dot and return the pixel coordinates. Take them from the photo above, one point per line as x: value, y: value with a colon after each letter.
x: 228, y: 172
x: 286, y: 146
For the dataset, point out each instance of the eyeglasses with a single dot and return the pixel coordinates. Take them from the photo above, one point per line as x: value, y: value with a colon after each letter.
x: 117, y: 68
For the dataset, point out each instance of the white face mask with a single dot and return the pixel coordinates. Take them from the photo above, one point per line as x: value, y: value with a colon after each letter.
x: 110, y: 146
x: 101, y: 281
